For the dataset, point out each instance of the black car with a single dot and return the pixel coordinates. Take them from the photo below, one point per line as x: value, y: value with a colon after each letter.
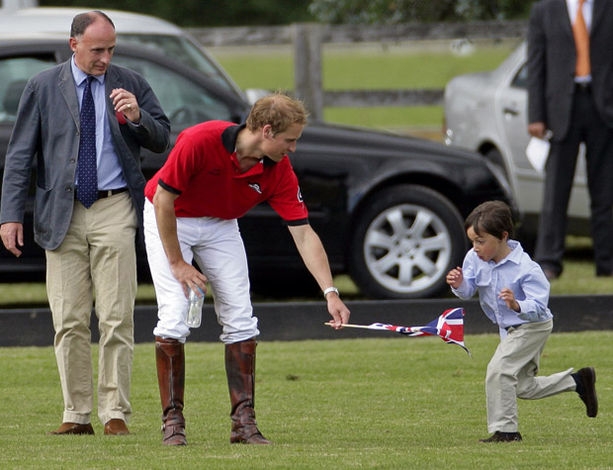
x: 388, y: 209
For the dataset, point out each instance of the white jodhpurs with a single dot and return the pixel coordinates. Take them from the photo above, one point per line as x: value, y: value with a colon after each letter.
x: 217, y: 247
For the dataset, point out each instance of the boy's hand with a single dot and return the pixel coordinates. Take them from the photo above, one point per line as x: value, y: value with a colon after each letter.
x: 455, y: 277
x: 507, y: 295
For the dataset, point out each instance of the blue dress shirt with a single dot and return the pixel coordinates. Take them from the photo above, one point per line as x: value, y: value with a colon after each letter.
x: 517, y: 272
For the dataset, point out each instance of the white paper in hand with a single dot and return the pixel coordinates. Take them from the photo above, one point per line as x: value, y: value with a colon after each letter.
x: 537, y: 153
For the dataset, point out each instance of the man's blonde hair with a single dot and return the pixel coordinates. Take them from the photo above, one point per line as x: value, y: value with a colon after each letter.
x: 278, y: 110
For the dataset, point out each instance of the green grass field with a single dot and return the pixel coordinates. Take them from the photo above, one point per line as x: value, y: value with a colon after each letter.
x: 374, y: 66
x: 368, y: 403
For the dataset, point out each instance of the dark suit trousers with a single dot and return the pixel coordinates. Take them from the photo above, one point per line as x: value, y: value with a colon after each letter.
x: 585, y: 126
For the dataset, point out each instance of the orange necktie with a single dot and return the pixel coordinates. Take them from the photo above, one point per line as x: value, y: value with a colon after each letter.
x: 582, y: 43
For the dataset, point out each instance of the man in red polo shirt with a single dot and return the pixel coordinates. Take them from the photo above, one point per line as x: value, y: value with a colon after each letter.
x: 216, y: 172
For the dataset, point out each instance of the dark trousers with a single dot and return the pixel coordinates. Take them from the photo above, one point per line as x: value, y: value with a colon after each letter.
x: 585, y: 126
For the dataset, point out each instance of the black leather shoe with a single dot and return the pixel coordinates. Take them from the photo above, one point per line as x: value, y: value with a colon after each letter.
x: 499, y: 436
x: 586, y: 388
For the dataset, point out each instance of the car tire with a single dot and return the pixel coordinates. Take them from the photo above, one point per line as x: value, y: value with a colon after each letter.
x: 405, y: 240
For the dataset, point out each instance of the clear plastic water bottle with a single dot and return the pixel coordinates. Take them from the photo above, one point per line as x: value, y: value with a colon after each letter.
x: 194, y: 313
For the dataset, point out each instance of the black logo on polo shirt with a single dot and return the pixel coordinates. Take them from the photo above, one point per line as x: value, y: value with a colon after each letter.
x: 299, y: 195
x: 256, y: 187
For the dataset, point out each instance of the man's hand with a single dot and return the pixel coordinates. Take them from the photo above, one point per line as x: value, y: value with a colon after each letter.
x: 12, y: 237
x: 188, y: 276
x: 537, y: 129
x: 125, y: 102
x: 339, y: 311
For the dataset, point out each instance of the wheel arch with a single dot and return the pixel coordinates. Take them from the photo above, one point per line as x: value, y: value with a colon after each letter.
x: 491, y: 152
x: 445, y: 187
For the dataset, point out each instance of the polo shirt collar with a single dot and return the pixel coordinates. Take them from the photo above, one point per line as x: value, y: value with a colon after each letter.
x: 228, y: 139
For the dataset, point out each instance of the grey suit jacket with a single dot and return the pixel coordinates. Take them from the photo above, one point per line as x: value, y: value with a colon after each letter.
x: 551, y: 64
x: 46, y: 136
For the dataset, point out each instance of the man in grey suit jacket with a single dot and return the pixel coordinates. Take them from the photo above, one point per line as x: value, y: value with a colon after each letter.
x: 577, y: 108
x: 88, y: 248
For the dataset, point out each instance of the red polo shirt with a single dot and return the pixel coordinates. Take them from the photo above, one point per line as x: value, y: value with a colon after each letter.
x: 203, y: 170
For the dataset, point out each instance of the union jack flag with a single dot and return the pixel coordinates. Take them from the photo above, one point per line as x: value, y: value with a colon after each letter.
x: 449, y: 326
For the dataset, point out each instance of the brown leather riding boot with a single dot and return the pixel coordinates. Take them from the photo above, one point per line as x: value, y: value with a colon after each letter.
x: 170, y: 359
x: 240, y: 369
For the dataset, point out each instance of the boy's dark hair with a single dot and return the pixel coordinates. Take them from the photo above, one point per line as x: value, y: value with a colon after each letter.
x: 493, y: 217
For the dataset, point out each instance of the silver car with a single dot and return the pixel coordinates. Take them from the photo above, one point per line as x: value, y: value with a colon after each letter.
x: 487, y: 112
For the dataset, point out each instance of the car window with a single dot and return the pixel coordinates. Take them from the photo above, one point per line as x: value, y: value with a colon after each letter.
x: 184, y: 102
x: 180, y: 49
x: 14, y: 74
x: 521, y: 78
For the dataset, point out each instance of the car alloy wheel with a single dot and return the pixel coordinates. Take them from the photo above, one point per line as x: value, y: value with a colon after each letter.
x: 405, y: 242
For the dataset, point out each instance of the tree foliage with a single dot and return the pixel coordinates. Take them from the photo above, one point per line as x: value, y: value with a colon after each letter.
x: 405, y: 11
x: 196, y: 13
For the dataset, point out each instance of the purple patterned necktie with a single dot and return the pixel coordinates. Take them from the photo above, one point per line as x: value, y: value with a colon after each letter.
x: 87, y: 191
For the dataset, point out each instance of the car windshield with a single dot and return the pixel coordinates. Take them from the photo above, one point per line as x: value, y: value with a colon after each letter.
x: 181, y: 49
x: 184, y: 102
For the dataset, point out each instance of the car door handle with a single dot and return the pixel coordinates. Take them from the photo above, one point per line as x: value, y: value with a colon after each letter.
x: 511, y: 111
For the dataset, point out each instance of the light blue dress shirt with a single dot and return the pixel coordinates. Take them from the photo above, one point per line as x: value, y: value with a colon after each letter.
x: 110, y: 174
x: 519, y: 273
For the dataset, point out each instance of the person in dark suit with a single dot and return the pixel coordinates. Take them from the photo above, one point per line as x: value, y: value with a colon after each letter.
x: 89, y: 243
x: 570, y: 93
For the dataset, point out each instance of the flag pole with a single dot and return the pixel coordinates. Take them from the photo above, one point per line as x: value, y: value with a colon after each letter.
x: 411, y: 329
x: 350, y: 325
